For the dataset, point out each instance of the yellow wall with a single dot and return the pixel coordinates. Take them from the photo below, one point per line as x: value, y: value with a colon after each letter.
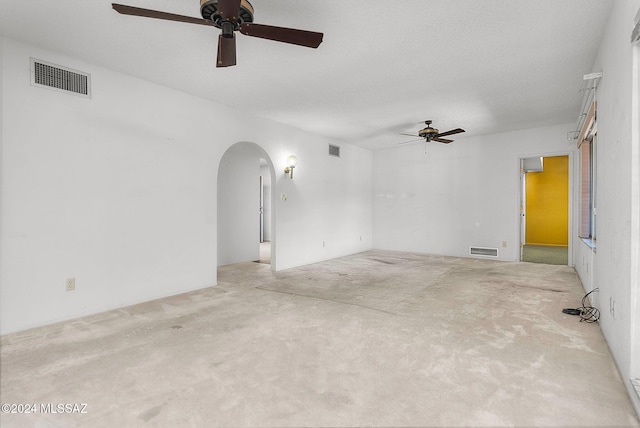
x: 547, y: 203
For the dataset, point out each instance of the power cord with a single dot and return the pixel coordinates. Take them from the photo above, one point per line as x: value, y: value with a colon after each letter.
x: 587, y: 313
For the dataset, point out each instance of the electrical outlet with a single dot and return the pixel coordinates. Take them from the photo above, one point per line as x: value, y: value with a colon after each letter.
x: 71, y: 284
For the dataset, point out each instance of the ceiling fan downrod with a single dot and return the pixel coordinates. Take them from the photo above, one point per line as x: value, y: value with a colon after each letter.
x: 228, y: 28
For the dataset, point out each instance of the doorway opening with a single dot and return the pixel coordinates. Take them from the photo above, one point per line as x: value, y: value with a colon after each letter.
x: 246, y: 231
x: 264, y: 197
x: 545, y: 210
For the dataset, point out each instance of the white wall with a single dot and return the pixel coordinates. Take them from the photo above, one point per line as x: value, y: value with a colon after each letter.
x: 634, y: 369
x: 635, y: 225
x: 457, y: 195
x: 328, y: 206
x: 1, y: 155
x: 119, y: 192
x: 611, y: 268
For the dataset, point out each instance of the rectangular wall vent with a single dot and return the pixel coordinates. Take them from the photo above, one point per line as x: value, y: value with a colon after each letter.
x: 64, y: 79
x: 334, y: 150
x: 483, y: 251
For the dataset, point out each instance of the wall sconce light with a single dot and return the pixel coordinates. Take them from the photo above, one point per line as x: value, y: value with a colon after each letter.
x: 292, y: 161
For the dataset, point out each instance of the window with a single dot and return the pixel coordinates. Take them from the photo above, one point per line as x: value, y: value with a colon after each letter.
x: 587, y: 146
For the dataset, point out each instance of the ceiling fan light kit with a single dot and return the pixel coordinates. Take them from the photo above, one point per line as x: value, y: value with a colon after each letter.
x: 428, y: 133
x: 230, y: 16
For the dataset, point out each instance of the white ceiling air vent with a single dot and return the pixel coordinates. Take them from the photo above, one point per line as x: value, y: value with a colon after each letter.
x: 483, y: 251
x: 63, y: 79
x: 334, y: 150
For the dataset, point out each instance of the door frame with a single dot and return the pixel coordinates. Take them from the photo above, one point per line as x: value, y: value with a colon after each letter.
x: 522, y: 198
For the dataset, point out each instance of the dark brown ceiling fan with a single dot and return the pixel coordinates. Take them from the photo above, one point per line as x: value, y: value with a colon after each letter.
x: 432, y: 134
x: 230, y: 16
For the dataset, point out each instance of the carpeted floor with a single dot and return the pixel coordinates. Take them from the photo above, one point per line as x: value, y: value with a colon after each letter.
x: 374, y: 339
x: 551, y: 255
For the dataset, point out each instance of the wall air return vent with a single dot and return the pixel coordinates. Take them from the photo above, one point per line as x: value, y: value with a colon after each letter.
x: 483, y: 251
x: 63, y: 79
x: 334, y: 150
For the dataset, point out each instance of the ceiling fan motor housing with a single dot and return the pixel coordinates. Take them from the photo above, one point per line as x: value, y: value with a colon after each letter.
x: 428, y: 133
x: 209, y: 11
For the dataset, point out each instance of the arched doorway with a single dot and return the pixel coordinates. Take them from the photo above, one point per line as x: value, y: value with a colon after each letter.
x: 246, y: 219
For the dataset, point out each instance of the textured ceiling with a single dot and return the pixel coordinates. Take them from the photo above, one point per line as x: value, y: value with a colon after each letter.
x: 384, y: 66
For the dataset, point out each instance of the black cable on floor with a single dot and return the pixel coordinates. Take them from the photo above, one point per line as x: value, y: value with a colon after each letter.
x: 586, y: 312
x: 589, y: 313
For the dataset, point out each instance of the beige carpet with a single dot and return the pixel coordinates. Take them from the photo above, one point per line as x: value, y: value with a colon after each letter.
x: 551, y: 255
x: 375, y: 339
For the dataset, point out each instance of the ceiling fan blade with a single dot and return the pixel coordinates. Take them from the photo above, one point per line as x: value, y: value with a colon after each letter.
x: 309, y: 39
x: 226, y: 51
x: 409, y: 135
x: 442, y: 140
x: 229, y: 9
x: 453, y: 131
x: 411, y: 141
x: 148, y: 13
